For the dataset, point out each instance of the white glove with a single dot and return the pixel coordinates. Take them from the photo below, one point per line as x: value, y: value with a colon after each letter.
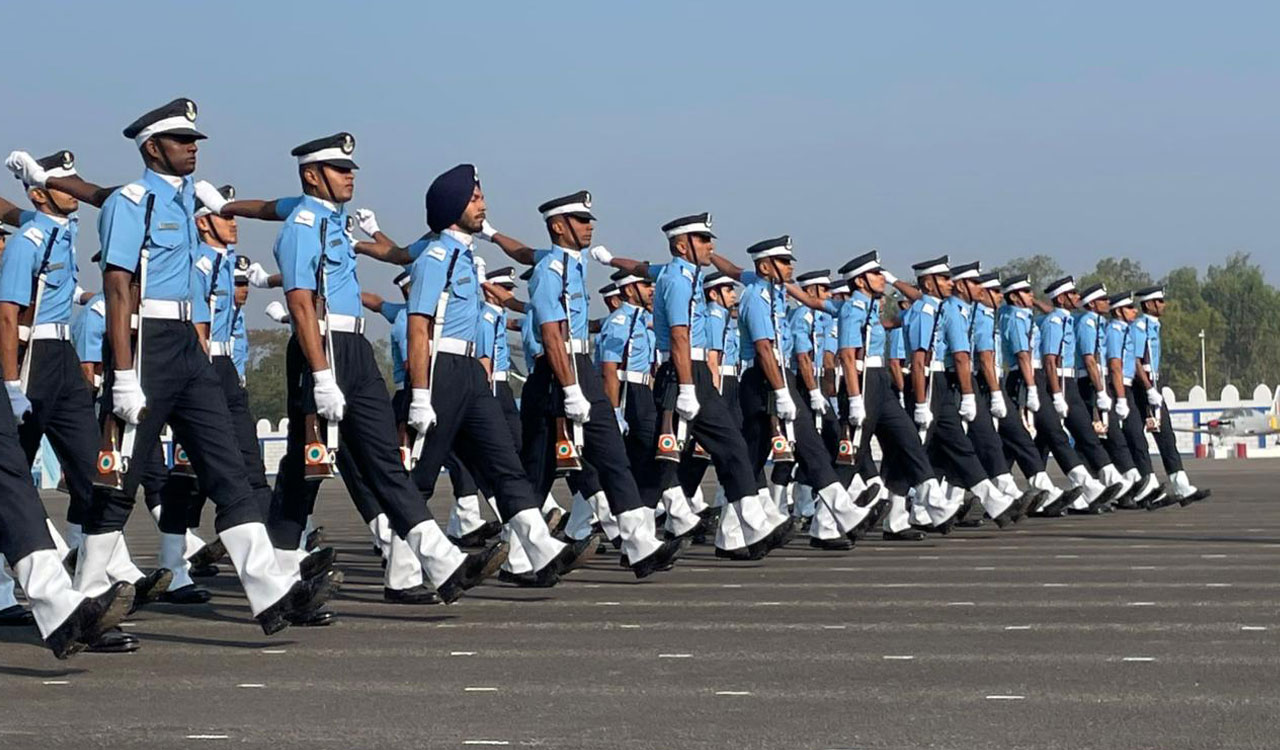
x: 1103, y: 402
x: 999, y: 409
x: 25, y: 168
x: 481, y: 267
x: 209, y: 196
x: 783, y: 406
x: 576, y: 405
x: 818, y: 402
x: 1154, y: 398
x: 258, y: 276
x: 422, y: 416
x: 1060, y: 404
x: 601, y: 255
x: 857, y: 409
x: 368, y: 221
x: 968, y: 407
x: 1033, y: 400
x: 330, y: 403
x: 487, y: 231
x: 277, y: 312
x: 127, y: 399
x: 1122, y: 408
x: 902, y: 399
x: 620, y: 414
x: 889, y: 278
x: 687, y: 405
x: 17, y: 399
x: 923, y: 416
x: 79, y: 295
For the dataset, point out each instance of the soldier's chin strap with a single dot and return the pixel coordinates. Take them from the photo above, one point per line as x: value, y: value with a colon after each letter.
x: 573, y: 234
x: 168, y: 165
x: 213, y: 230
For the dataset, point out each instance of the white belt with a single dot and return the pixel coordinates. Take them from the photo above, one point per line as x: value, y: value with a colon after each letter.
x: 936, y: 367
x: 1127, y: 382
x: 166, y: 309
x: 729, y: 370
x: 575, y: 346
x: 342, y: 323
x: 629, y: 376
x: 219, y: 348
x: 456, y: 346
x: 500, y: 376
x: 1035, y: 364
x: 42, y: 331
x: 696, y: 354
x: 872, y: 361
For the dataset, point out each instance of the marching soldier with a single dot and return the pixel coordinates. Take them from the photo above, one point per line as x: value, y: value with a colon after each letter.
x: 1121, y: 355
x: 1151, y: 402
x: 942, y: 383
x: 811, y: 364
x: 148, y: 236
x: 766, y: 393
x: 989, y: 399
x: 1091, y: 370
x: 1026, y: 381
x: 1057, y: 349
x: 869, y: 401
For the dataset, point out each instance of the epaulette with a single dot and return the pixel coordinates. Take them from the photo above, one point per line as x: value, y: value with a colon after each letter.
x: 134, y: 191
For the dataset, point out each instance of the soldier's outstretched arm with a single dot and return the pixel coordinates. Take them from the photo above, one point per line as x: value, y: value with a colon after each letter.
x: 25, y: 168
x: 372, y: 302
x: 514, y: 248
x: 726, y: 266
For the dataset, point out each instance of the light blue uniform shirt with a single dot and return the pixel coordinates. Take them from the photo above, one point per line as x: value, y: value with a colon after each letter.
x: 1090, y: 332
x: 897, y: 344
x: 445, y: 260
x: 806, y: 333
x: 88, y: 329
x: 558, y: 273
x: 491, y: 338
x: 1019, y: 332
x: 919, y: 322
x: 762, y: 315
x: 955, y: 330
x: 1057, y: 336
x: 722, y: 334
x: 239, y: 344
x: 529, y: 342
x: 678, y: 300
x: 829, y: 328
x: 397, y: 315
x: 861, y: 311
x: 214, y: 270
x: 1146, y: 339
x: 626, y: 324
x: 20, y: 265
x: 1120, y: 345
x: 299, y: 246
x: 173, y: 234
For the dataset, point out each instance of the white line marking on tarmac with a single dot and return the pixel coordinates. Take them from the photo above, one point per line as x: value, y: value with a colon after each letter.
x: 128, y: 624
x: 1138, y: 658
x: 928, y: 557
x: 960, y: 604
x: 1218, y: 585
x: 731, y: 585
x: 629, y: 627
x: 1142, y: 567
x: 768, y: 604
x: 462, y: 653
x: 1006, y: 697
x: 898, y: 657
x: 485, y: 742
x: 675, y: 656
x: 608, y: 604
x: 1055, y: 585
x: 1066, y: 557
x: 985, y: 567
x: 1212, y: 557
x: 250, y: 685
x: 1142, y: 604
x: 1017, y: 627
x: 1253, y: 628
x: 733, y: 692
x: 842, y: 627
x: 66, y: 682
x: 1255, y: 529
x: 274, y: 651
x: 480, y: 690
x: 207, y: 736
x: 592, y: 585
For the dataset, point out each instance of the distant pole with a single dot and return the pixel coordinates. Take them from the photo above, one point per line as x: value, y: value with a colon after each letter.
x: 1204, y: 378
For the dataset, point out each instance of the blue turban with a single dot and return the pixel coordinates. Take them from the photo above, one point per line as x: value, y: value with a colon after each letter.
x: 449, y: 195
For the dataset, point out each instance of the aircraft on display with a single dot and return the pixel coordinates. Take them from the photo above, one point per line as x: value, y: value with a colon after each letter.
x: 1239, y: 422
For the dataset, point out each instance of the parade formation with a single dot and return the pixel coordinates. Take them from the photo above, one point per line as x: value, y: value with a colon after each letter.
x: 777, y: 379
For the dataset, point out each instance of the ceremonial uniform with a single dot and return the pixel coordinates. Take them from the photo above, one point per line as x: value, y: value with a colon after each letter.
x: 1090, y: 333
x: 762, y: 314
x: 1119, y: 345
x: 558, y: 296
x: 314, y: 253
x: 1146, y: 333
x: 147, y: 229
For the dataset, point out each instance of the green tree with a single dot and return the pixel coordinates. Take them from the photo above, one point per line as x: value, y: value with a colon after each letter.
x: 1041, y: 268
x: 1119, y: 274
x: 1186, y: 314
x: 265, y: 372
x: 1250, y: 309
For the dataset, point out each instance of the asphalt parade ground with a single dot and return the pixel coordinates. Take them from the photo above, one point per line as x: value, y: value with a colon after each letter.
x: 1130, y: 630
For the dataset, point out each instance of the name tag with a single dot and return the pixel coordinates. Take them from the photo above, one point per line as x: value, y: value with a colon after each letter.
x: 467, y: 280
x: 167, y: 225
x: 55, y: 266
x: 335, y: 243
x: 576, y: 295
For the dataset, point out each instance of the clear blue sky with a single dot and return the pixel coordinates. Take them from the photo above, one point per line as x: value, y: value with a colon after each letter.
x: 987, y: 130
